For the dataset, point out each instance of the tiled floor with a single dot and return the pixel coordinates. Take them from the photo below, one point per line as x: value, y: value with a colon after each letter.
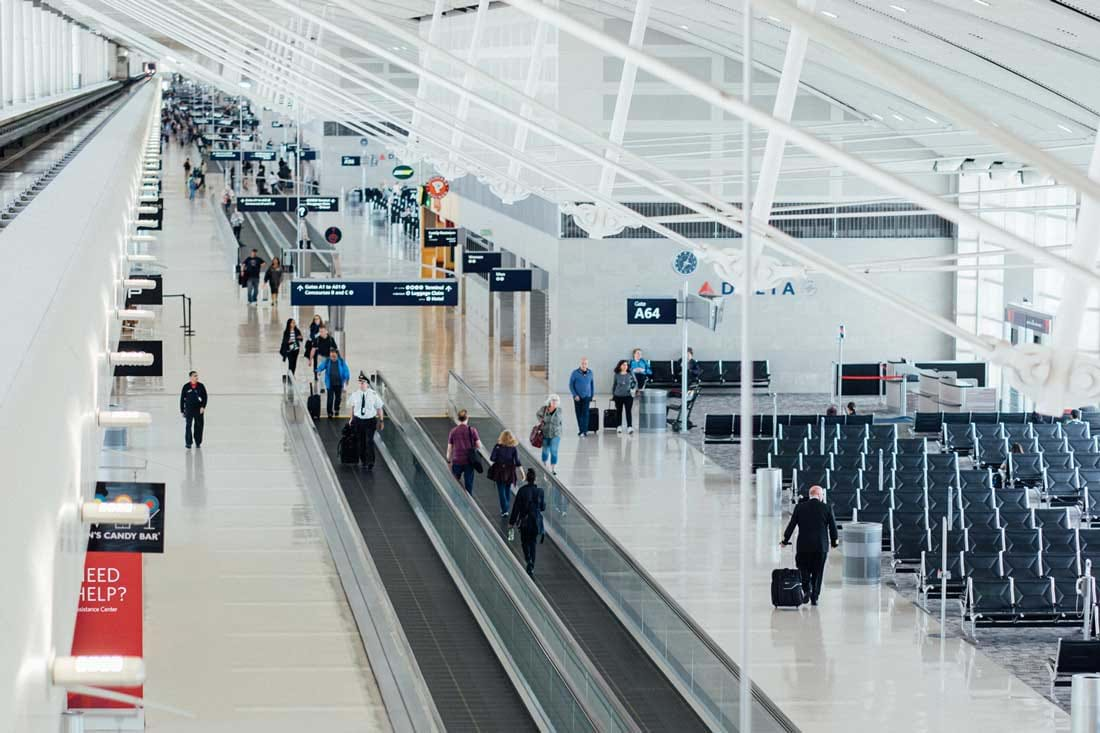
x: 247, y: 625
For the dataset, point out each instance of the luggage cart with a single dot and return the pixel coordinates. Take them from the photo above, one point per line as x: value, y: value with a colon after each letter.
x: 676, y: 403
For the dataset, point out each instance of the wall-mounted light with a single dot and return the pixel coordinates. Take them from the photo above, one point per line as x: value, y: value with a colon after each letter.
x: 140, y: 258
x: 135, y: 283
x: 147, y: 209
x: 148, y: 197
x: 134, y: 314
x: 114, y: 512
x: 98, y: 671
x: 124, y: 418
x: 131, y: 358
x: 142, y: 238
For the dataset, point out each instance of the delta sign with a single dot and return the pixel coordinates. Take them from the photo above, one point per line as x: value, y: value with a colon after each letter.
x: 807, y: 288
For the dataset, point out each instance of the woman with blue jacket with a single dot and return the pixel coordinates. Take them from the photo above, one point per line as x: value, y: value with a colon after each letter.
x: 337, y: 375
x: 640, y: 368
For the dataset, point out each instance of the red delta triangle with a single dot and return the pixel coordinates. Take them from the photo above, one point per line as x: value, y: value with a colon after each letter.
x: 707, y: 291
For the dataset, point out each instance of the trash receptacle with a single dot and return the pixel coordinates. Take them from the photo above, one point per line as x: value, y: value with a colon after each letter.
x: 1085, y: 703
x: 653, y: 411
x: 862, y: 549
x: 769, y: 492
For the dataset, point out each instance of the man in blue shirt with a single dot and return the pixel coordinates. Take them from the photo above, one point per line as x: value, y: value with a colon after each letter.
x: 337, y: 375
x: 583, y: 387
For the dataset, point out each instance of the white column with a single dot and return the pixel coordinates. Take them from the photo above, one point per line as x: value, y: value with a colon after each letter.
x: 39, y: 48
x: 5, y: 52
x: 34, y: 81
x: 18, y: 58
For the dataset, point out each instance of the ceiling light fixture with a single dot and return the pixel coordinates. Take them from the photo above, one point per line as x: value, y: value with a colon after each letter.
x: 114, y: 512
x: 897, y: 117
x: 899, y: 8
x: 131, y: 358
x: 774, y: 19
x: 134, y: 314
x: 683, y: 27
x: 933, y: 120
x: 1063, y: 127
x: 983, y: 3
x: 123, y: 419
x: 877, y: 116
x: 136, y: 283
x: 827, y: 14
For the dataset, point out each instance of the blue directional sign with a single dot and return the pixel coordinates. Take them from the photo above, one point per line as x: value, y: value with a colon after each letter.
x: 351, y: 161
x: 417, y: 292
x: 331, y: 292
x: 259, y: 155
x: 509, y: 280
x: 480, y: 261
x: 224, y: 155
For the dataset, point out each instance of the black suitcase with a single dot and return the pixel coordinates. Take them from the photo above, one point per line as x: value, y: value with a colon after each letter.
x: 349, y: 446
x: 787, y: 588
x: 313, y: 404
x: 593, y: 420
x: 610, y: 417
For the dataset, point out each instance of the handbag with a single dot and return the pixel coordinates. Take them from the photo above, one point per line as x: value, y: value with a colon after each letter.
x: 536, y: 435
x: 474, y: 459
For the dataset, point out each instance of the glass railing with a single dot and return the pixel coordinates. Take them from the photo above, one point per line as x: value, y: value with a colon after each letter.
x: 572, y: 694
x: 701, y: 669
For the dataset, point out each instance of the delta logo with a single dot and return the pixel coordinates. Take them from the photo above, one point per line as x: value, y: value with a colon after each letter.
x: 708, y: 291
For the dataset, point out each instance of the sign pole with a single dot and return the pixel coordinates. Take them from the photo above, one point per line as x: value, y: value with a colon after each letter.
x: 684, y: 368
x: 840, y: 364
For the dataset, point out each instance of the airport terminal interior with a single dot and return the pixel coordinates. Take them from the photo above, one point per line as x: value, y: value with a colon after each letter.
x: 618, y: 365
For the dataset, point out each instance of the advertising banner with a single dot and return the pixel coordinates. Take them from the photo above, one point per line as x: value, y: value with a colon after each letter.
x: 108, y: 617
x: 148, y: 537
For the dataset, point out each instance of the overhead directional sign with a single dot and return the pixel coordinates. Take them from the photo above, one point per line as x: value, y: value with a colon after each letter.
x: 288, y: 203
x: 417, y: 292
x: 480, y: 261
x: 320, y: 203
x: 309, y: 155
x: 351, y: 161
x: 657, y: 311
x: 224, y: 155
x: 276, y: 123
x: 331, y: 292
x: 440, y: 237
x: 260, y: 155
x: 508, y: 280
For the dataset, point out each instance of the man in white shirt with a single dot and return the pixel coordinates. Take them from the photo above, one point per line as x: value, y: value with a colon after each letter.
x: 366, y: 418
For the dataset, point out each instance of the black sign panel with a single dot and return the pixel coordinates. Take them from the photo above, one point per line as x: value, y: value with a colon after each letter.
x: 148, y: 537
x: 156, y: 369
x: 331, y: 292
x: 309, y: 155
x: 440, y: 237
x: 276, y: 123
x: 224, y: 155
x: 320, y: 203
x: 351, y: 161
x: 416, y: 292
x: 480, y: 261
x: 262, y: 203
x: 660, y: 311
x: 260, y: 155
x: 509, y: 281
x: 146, y: 297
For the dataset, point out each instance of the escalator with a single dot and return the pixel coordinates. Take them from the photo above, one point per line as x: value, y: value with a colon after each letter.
x: 468, y: 683
x: 653, y: 702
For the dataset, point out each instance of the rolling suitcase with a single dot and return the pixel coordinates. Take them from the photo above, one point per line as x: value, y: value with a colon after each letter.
x: 349, y: 445
x: 593, y: 420
x: 786, y: 588
x: 313, y: 403
x: 610, y: 417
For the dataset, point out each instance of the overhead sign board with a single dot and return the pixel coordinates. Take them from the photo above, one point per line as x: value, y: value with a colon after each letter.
x: 320, y: 203
x: 276, y: 123
x: 260, y: 155
x: 309, y: 155
x: 509, y: 280
x: 262, y: 203
x: 440, y: 237
x: 224, y: 155
x: 351, y: 161
x: 416, y: 292
x: 148, y: 537
x: 480, y: 261
x: 331, y: 292
x: 1029, y: 319
x: 654, y: 311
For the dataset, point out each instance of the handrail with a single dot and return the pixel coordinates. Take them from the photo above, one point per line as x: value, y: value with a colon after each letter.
x: 582, y: 681
x: 719, y: 709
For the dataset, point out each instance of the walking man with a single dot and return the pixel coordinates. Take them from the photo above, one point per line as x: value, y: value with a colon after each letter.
x: 582, y: 386
x: 251, y: 266
x: 193, y: 403
x: 816, y: 533
x: 336, y: 376
x: 366, y: 418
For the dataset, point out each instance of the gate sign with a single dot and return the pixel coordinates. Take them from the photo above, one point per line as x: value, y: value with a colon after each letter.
x: 437, y: 187
x: 331, y: 292
x: 659, y: 311
x: 403, y: 172
x: 417, y: 292
x: 333, y: 235
x: 350, y: 161
x: 148, y: 537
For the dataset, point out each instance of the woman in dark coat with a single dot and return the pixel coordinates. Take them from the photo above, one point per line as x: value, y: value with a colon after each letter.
x: 291, y: 345
x: 527, y: 509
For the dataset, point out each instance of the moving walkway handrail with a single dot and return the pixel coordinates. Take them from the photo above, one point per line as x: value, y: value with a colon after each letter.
x: 561, y: 679
x: 700, y: 668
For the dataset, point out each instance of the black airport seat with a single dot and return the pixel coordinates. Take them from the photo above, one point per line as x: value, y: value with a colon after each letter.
x: 1021, y: 565
x: 983, y: 566
x: 1061, y: 565
x: 1013, y: 517
x: 1052, y: 518
x: 986, y: 431
x: 957, y: 438
x: 1025, y: 468
x: 912, y: 445
x: 985, y: 541
x: 1062, y: 488
x: 1088, y: 541
x: 941, y: 479
x: 1060, y: 461
x: 761, y: 449
x: 1087, y: 460
x: 850, y: 461
x: 1069, y: 601
x: 956, y: 418
x: 907, y: 462
x: 1073, y: 656
x: 1076, y: 430
x: 931, y: 575
x: 1012, y: 499
x: 1022, y: 540
x: 976, y: 518
x: 662, y: 373
x: 972, y: 498
x: 989, y: 601
x: 1016, y: 433
x: 988, y: 418
x: 1053, y: 445
x: 976, y: 477
x: 908, y: 545
x: 847, y: 479
x: 942, y: 462
x: 1083, y: 445
x: 787, y: 462
x: 990, y: 451
x: 849, y: 432
x: 1046, y: 430
x: 907, y: 481
x: 791, y: 446
x: 801, y: 431
x: 814, y: 462
x: 1034, y: 601
x: 909, y: 501
x: 844, y: 503
x: 1013, y: 417
x: 717, y: 428
x: 927, y: 422
x: 1059, y: 541
x: 849, y: 446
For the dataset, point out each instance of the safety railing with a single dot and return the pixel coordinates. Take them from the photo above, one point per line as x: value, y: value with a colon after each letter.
x: 558, y: 675
x: 704, y: 673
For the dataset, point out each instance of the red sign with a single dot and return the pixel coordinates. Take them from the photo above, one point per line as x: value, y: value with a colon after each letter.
x: 437, y: 187
x: 108, y: 619
x: 333, y: 235
x: 707, y: 291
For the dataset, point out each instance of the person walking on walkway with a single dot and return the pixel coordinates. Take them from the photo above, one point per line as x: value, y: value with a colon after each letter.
x: 193, y: 402
x: 550, y: 417
x: 622, y: 393
x: 187, y: 170
x: 526, y: 514
x: 291, y: 345
x: 366, y: 418
x: 337, y: 376
x: 640, y: 368
x: 323, y: 345
x: 274, y: 278
x: 816, y: 533
x: 504, y: 463
x: 462, y: 442
x: 582, y: 386
x: 237, y: 222
x: 251, y: 266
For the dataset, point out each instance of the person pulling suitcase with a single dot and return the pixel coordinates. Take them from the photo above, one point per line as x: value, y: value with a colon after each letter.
x: 816, y: 533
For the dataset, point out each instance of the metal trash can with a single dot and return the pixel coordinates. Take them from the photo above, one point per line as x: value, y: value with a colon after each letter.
x: 769, y: 492
x: 1085, y: 704
x: 653, y: 411
x: 862, y: 548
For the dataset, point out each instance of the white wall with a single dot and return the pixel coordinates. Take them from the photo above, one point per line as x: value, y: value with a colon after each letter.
x: 376, y: 169
x: 797, y: 333
x: 60, y: 283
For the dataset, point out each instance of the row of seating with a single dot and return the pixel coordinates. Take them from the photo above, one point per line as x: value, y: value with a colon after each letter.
x: 713, y: 374
x: 932, y: 422
x: 1023, y: 603
x: 726, y: 427
x: 963, y: 435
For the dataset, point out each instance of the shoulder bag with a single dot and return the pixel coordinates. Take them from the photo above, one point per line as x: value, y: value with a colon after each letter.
x: 536, y: 435
x: 474, y: 459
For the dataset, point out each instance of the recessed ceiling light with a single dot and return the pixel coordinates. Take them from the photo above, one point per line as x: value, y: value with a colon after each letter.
x: 683, y: 27
x: 983, y: 3
x: 897, y: 117
x: 774, y: 19
x: 933, y: 120
x: 1063, y: 127
x: 877, y: 116
x: 827, y: 14
x: 899, y: 8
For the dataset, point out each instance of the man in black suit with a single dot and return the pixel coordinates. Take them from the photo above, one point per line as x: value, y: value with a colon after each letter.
x: 816, y: 532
